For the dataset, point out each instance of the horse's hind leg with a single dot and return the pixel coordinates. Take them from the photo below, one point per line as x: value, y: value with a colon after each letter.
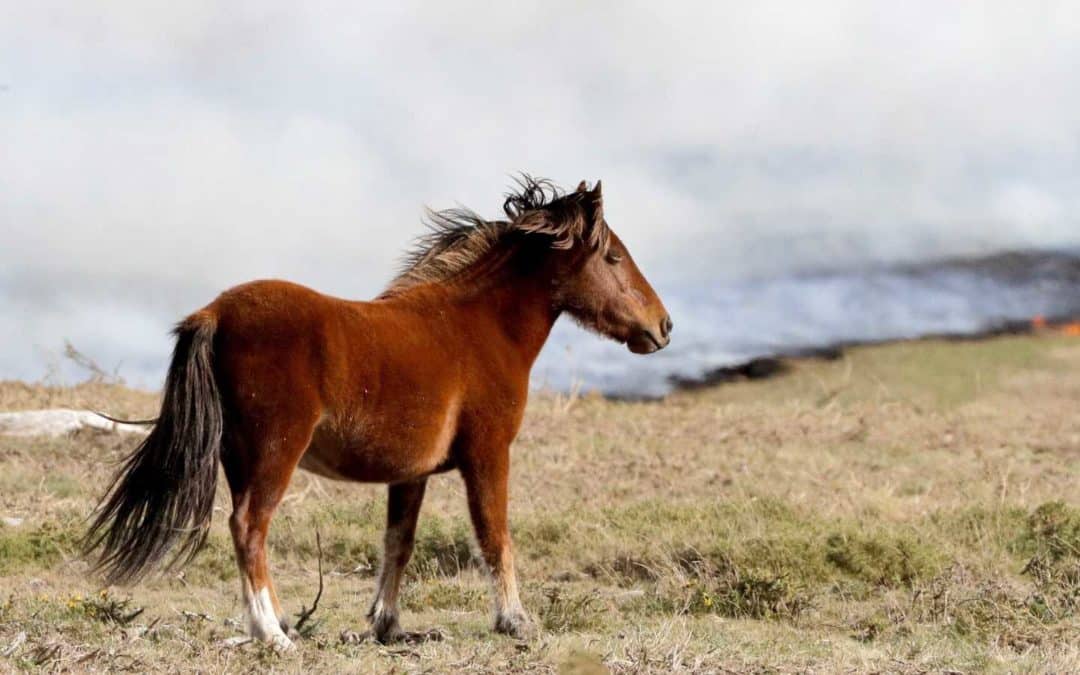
x: 249, y: 524
x: 258, y: 480
x: 403, y: 509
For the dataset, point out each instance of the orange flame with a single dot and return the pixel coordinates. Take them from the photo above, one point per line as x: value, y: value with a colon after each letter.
x: 1039, y: 324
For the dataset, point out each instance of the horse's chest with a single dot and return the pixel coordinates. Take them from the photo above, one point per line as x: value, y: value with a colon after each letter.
x: 383, y: 449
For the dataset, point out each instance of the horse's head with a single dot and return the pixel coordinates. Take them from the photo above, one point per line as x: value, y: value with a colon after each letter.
x: 596, y: 280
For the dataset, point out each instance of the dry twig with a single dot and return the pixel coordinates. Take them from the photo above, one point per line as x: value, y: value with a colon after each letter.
x: 305, y: 614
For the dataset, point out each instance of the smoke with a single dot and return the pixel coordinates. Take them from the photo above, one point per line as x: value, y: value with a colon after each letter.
x: 727, y: 324
x: 156, y: 153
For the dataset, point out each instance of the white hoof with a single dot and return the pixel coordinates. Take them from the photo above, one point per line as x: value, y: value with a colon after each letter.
x: 263, y: 623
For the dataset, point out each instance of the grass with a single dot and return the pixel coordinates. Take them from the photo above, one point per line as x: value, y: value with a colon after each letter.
x: 907, y: 508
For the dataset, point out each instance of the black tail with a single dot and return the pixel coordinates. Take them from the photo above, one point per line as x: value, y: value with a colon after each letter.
x: 163, y: 495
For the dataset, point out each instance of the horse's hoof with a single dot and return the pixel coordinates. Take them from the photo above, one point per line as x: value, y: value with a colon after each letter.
x: 387, y: 631
x: 515, y: 625
x: 390, y: 637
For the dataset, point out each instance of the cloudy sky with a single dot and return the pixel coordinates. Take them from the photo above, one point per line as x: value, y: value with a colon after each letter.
x: 152, y: 154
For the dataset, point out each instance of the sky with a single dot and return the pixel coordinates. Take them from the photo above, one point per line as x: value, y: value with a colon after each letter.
x: 153, y: 154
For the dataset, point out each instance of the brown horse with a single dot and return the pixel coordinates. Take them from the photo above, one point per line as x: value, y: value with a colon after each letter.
x: 431, y: 376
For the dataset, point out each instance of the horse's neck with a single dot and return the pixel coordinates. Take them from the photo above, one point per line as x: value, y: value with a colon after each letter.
x: 520, y: 308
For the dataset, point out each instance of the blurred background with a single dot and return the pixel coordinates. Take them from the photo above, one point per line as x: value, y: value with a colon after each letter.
x: 789, y: 175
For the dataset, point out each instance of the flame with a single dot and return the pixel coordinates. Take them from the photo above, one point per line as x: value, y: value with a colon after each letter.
x: 1039, y: 324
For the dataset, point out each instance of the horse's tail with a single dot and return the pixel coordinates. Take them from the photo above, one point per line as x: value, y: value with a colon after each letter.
x: 163, y: 495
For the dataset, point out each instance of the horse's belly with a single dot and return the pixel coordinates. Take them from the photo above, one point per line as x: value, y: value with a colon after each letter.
x: 369, y: 458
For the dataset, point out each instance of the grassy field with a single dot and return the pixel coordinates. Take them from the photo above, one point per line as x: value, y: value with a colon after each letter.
x: 907, y: 508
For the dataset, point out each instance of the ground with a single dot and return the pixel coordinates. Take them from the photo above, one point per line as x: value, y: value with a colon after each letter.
x: 906, y: 508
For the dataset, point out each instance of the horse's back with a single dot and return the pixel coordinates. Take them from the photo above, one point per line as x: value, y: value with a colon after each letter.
x: 257, y: 306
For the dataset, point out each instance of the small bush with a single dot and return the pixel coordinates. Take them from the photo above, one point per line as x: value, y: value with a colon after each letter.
x: 1052, y: 538
x: 105, y: 608
x: 747, y: 596
x: 1053, y: 532
x: 563, y: 613
x: 43, y: 546
x: 890, y: 561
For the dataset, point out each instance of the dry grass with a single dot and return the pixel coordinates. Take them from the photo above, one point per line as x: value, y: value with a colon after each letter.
x: 909, y: 508
x: 120, y: 401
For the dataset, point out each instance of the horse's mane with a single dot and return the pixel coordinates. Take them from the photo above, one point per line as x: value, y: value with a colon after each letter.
x: 458, y: 238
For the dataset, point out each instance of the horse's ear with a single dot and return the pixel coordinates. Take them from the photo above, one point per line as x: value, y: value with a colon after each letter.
x: 598, y: 203
x: 582, y: 187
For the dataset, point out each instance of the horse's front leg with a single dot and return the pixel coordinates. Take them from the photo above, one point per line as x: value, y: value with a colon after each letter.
x: 486, y: 481
x: 402, y: 511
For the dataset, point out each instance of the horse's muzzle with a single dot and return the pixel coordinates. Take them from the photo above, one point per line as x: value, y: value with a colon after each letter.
x: 647, y: 341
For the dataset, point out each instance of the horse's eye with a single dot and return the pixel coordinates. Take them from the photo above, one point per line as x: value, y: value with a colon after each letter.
x: 613, y: 258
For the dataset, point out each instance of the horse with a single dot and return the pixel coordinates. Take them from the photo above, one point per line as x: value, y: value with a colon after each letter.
x: 430, y: 376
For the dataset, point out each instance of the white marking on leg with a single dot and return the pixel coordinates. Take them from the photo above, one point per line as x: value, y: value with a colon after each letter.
x: 262, y: 618
x: 511, y: 601
x: 510, y: 615
x: 384, y: 610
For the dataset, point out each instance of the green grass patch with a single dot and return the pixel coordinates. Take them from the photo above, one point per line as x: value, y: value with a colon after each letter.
x: 883, y: 559
x: 40, y: 546
x: 939, y: 374
x: 765, y: 539
x: 351, y: 534
x: 444, y: 594
x: 443, y: 547
x: 1052, y: 532
x: 1053, y: 540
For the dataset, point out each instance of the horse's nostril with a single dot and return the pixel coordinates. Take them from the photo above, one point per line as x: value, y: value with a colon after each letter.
x: 666, y: 325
